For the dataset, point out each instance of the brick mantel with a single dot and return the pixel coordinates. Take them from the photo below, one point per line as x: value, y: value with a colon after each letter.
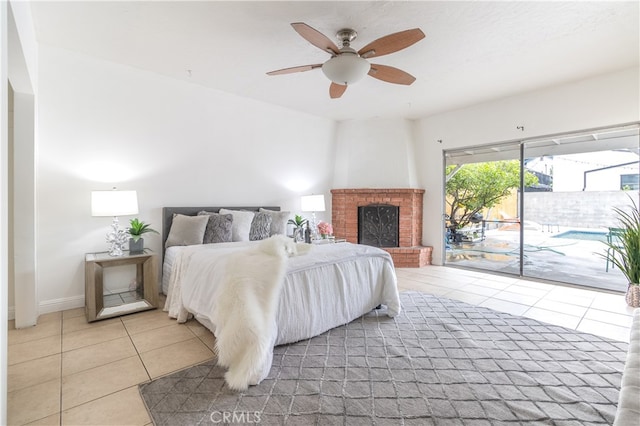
x: 344, y: 216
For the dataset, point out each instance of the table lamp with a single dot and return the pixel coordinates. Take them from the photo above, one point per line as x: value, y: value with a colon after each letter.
x: 114, y: 203
x: 313, y: 204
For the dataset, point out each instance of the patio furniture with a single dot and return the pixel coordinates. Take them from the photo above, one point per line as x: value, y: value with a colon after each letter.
x: 613, y: 237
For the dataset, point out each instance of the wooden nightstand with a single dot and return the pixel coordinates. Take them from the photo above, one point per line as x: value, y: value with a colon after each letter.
x: 145, y: 295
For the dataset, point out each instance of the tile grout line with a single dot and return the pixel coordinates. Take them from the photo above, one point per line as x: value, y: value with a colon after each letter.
x: 593, y: 299
x: 215, y: 356
x: 136, y: 349
x: 139, y: 354
x: 95, y: 399
x: 111, y: 393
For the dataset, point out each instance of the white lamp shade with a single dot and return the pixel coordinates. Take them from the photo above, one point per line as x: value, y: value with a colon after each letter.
x: 114, y: 203
x: 312, y: 203
x: 346, y: 68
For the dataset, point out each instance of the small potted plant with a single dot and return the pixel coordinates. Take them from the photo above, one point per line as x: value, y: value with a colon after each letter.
x: 136, y: 229
x: 625, y: 251
x: 298, y: 223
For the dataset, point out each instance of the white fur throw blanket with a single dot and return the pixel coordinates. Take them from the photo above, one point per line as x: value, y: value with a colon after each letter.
x: 247, y: 297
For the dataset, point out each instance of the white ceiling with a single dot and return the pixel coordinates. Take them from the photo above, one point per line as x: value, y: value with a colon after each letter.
x: 473, y: 51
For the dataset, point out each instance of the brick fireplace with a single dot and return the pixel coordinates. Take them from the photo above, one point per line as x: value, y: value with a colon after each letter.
x: 344, y: 216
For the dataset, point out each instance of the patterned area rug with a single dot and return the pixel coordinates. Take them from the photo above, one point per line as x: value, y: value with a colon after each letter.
x: 441, y: 362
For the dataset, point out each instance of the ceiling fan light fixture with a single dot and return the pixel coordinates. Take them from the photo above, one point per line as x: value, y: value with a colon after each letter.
x: 346, y: 65
x: 346, y: 68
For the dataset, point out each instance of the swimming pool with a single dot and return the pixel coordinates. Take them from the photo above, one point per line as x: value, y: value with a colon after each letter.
x: 584, y: 235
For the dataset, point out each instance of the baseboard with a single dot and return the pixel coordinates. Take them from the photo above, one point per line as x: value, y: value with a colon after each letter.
x: 56, y: 305
x: 11, y: 313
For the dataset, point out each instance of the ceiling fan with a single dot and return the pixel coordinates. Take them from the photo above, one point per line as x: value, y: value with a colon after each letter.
x: 347, y: 66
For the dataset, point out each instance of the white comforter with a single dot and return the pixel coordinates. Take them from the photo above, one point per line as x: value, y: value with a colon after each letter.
x: 331, y: 285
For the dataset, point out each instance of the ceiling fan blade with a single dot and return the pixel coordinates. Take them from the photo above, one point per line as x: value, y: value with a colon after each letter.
x: 336, y: 90
x: 391, y: 74
x: 391, y: 43
x: 291, y: 70
x: 315, y: 37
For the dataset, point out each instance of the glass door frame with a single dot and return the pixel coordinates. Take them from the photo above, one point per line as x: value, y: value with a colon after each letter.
x: 484, y: 152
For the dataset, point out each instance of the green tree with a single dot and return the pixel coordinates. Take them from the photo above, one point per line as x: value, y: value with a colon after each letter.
x: 473, y: 187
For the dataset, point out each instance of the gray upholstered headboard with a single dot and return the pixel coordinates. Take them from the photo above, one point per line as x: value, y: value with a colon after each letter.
x: 168, y: 212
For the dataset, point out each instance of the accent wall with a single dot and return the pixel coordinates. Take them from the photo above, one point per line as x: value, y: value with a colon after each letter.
x: 102, y: 125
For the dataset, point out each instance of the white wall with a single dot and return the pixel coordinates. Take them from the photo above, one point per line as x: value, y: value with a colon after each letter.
x: 597, y: 102
x: 177, y: 144
x: 375, y: 154
x: 569, y: 170
x: 22, y: 73
x: 22, y: 203
x: 24, y: 81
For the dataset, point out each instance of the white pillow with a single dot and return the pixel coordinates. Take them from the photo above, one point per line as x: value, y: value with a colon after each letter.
x: 241, y: 223
x: 186, y: 230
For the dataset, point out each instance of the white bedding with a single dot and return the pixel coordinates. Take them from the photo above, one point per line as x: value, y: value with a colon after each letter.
x: 331, y: 285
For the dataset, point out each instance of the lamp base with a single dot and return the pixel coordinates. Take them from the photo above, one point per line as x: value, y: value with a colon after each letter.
x: 313, y: 227
x: 117, y: 238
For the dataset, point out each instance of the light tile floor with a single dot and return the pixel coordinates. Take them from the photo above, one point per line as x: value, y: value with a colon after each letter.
x: 602, y: 313
x: 65, y: 371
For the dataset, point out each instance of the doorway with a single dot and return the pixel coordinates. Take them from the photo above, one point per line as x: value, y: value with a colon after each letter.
x: 542, y: 208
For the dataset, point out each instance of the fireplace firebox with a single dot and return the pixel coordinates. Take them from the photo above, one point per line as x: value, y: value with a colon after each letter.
x: 378, y: 225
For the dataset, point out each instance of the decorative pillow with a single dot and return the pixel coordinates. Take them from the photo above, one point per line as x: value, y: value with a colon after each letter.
x: 241, y: 223
x: 186, y: 230
x: 278, y: 221
x: 260, y: 226
x: 218, y: 228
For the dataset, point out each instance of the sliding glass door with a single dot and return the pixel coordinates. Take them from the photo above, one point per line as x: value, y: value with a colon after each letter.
x: 567, y: 221
x: 553, y: 223
x: 482, y: 208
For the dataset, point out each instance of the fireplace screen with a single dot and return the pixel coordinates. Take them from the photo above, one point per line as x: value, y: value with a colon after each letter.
x: 378, y: 225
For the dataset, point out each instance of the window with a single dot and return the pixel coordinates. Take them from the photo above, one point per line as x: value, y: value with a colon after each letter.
x: 630, y: 182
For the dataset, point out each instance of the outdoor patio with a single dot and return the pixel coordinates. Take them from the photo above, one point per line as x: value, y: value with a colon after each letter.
x: 551, y: 253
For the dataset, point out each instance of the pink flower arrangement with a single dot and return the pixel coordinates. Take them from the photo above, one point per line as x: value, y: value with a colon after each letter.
x: 325, y: 228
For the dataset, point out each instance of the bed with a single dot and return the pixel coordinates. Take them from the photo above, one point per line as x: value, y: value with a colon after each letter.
x: 326, y: 286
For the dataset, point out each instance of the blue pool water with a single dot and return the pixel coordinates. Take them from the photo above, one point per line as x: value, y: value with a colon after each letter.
x: 584, y: 235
